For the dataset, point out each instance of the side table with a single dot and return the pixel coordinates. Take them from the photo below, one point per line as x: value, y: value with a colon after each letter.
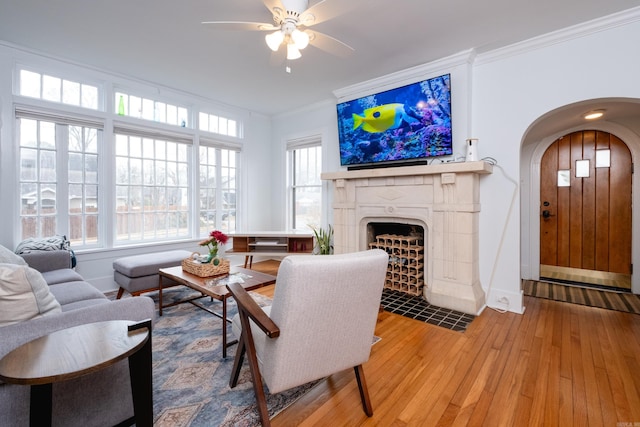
x: 85, y: 349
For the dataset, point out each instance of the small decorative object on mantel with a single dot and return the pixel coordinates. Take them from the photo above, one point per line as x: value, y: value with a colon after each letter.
x: 209, y: 264
x: 472, y: 150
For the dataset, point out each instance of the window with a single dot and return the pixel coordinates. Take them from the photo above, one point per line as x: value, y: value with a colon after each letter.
x: 83, y: 161
x: 217, y: 124
x: 55, y: 89
x: 149, y: 191
x: 152, y: 188
x: 218, y: 168
x: 149, y: 109
x: 305, y: 186
x: 59, y: 197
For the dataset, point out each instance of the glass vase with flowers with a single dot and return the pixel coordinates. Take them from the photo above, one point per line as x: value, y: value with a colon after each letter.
x: 215, y: 238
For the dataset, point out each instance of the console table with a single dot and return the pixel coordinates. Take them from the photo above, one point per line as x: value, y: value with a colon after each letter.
x: 270, y: 243
x: 86, y: 348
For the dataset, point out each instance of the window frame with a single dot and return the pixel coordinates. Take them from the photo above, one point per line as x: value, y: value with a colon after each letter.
x: 121, y: 108
x: 66, y: 76
x: 146, y: 188
x: 219, y: 191
x: 293, y: 145
x: 110, y: 122
x: 62, y: 214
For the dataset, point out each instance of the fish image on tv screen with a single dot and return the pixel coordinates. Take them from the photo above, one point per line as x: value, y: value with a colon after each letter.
x: 408, y: 123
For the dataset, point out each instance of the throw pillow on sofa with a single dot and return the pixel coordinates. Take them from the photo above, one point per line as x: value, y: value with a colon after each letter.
x: 9, y: 257
x: 24, y: 294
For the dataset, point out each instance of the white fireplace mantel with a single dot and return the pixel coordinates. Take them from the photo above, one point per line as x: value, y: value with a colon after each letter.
x: 443, y: 198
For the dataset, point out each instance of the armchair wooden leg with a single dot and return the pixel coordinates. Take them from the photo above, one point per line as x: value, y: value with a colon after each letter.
x: 255, y: 370
x: 364, y: 391
x: 237, y: 362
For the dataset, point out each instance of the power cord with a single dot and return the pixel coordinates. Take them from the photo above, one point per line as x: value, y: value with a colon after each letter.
x: 494, y: 162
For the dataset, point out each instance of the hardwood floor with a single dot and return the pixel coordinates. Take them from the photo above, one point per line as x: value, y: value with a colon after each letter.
x: 558, y: 364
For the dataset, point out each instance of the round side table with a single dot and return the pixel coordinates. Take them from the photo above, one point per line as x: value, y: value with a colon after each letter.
x: 80, y: 350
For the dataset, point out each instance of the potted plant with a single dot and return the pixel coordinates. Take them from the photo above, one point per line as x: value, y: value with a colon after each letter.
x: 324, y: 240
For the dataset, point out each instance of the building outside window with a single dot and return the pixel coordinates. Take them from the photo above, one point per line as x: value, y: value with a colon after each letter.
x: 152, y: 189
x: 83, y: 163
x: 59, y: 179
x: 218, y: 189
x: 148, y: 194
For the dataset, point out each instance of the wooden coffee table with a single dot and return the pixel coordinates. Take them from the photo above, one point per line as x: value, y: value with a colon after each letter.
x: 80, y: 350
x: 214, y: 287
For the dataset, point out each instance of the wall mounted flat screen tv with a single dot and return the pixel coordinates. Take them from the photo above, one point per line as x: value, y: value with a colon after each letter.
x: 401, y: 126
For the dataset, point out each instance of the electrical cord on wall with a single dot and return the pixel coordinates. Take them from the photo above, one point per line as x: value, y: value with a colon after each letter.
x: 494, y: 162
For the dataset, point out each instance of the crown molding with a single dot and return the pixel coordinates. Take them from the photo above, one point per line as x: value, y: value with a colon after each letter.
x: 608, y: 22
x: 409, y: 75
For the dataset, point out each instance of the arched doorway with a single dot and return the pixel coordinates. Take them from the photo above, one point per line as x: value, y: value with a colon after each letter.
x: 585, y: 210
x: 621, y: 120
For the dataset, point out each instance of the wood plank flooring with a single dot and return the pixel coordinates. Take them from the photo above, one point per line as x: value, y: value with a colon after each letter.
x: 558, y: 364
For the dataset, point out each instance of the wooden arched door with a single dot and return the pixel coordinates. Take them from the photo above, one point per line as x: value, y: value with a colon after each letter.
x: 585, y: 210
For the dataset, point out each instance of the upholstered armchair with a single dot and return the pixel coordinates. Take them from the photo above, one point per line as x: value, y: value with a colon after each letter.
x: 321, y: 321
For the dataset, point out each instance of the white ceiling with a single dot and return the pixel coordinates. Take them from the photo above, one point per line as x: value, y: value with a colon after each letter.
x: 163, y: 41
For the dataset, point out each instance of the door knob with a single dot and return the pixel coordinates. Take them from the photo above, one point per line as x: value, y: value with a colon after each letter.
x: 546, y: 214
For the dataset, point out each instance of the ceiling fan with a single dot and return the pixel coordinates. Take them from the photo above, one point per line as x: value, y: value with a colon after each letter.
x: 291, y: 19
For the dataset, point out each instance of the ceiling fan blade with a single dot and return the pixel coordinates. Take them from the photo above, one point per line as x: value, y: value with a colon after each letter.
x: 242, y: 25
x: 270, y: 4
x: 330, y: 44
x: 328, y: 9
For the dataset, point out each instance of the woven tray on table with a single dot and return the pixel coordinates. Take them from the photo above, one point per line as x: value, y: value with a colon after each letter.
x: 205, y: 270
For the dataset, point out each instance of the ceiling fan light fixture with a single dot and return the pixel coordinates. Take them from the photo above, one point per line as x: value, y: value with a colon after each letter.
x: 293, y: 52
x: 300, y: 38
x: 274, y: 40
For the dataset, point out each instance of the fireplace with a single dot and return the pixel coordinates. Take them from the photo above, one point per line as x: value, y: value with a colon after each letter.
x: 443, y: 200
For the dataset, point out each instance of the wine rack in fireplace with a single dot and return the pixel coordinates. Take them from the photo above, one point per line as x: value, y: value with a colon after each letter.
x: 405, y: 271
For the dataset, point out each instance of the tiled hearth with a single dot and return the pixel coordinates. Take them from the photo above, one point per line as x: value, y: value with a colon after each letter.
x: 419, y: 309
x: 444, y: 199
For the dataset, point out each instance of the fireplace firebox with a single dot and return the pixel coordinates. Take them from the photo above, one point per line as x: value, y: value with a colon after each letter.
x: 405, y: 245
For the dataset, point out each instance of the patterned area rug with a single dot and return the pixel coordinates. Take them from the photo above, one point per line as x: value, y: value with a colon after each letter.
x: 191, y: 380
x: 620, y: 301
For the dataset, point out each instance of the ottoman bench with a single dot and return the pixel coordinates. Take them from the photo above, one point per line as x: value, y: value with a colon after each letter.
x: 137, y: 274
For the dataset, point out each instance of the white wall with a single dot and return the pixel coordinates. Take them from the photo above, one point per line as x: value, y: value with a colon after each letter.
x: 257, y: 190
x: 510, y: 89
x: 317, y: 119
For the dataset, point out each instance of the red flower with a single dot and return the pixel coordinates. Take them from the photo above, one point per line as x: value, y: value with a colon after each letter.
x: 215, y: 237
x: 219, y: 236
